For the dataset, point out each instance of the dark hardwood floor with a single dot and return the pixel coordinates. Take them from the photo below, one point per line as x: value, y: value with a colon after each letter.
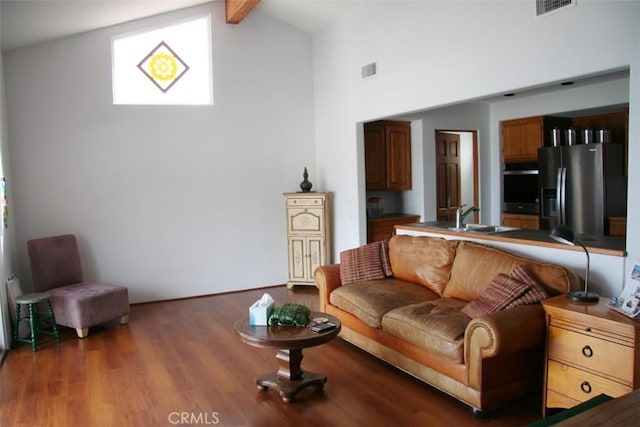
x: 180, y: 363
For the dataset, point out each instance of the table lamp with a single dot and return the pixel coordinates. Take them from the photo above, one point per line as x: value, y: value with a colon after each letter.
x: 566, y: 236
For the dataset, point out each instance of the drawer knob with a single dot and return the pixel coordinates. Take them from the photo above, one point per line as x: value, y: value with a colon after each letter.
x: 587, y: 351
x: 586, y: 387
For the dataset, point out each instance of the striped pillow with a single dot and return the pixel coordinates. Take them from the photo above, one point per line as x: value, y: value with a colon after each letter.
x: 384, y: 254
x: 501, y: 292
x: 534, y: 294
x: 367, y: 262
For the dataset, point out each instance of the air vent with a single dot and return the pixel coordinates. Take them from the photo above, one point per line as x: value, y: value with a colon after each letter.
x: 369, y: 70
x: 546, y: 6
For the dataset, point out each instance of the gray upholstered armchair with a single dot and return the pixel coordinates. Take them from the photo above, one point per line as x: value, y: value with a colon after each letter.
x: 56, y: 268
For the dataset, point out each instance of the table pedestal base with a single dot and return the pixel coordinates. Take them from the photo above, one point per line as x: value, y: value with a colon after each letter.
x: 289, y: 379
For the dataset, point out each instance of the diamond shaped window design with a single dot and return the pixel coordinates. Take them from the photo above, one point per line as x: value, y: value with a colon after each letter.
x: 167, y: 65
x: 163, y: 67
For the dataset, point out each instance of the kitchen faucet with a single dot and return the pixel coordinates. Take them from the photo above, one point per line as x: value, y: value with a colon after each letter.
x: 460, y: 216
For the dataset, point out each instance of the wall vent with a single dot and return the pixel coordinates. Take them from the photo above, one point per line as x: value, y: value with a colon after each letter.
x: 546, y: 6
x: 369, y: 70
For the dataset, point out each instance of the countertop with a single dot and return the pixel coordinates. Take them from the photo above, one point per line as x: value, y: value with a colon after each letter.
x: 606, y: 245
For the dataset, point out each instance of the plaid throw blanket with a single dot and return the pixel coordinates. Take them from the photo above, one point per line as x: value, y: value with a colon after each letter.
x: 289, y: 314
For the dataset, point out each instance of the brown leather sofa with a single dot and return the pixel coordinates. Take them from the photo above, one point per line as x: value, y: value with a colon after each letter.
x: 414, y: 319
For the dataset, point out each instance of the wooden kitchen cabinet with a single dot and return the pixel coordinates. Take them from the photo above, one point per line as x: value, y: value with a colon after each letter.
x: 617, y: 226
x: 521, y: 138
x: 308, y: 235
x: 520, y: 220
x: 591, y: 349
x: 387, y: 153
x: 383, y: 228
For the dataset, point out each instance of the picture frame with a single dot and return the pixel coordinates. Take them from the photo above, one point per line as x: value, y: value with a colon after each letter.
x: 630, y: 305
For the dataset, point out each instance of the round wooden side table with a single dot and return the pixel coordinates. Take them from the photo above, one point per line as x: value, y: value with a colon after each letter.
x: 289, y: 379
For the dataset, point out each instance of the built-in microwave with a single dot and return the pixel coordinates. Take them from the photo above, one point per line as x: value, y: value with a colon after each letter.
x: 520, y: 189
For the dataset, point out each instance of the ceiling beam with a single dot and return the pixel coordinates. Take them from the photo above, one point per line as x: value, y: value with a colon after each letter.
x: 237, y: 10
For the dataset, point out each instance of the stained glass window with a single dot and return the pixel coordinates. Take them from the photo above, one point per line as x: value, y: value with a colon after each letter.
x: 168, y: 65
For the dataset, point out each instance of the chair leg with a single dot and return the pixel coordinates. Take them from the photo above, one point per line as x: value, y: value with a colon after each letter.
x: 16, y: 326
x: 84, y: 332
x: 53, y: 320
x: 33, y: 320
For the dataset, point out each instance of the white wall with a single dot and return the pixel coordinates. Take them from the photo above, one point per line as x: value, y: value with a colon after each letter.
x: 7, y: 235
x: 437, y: 53
x: 169, y: 201
x: 633, y: 201
x: 413, y: 201
x: 466, y: 168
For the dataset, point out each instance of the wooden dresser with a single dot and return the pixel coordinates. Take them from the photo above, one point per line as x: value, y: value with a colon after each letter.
x: 591, y: 349
x: 308, y: 235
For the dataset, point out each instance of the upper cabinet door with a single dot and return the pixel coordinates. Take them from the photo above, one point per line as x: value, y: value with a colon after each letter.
x: 398, y: 156
x: 375, y: 156
x: 387, y: 152
x: 521, y: 139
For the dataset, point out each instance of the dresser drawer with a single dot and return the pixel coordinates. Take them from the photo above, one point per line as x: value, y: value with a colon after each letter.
x: 305, y: 201
x: 580, y: 385
x: 557, y: 400
x: 594, y: 354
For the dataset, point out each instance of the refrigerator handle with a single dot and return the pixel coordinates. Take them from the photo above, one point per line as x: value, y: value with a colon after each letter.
x: 562, y: 196
x: 558, y: 195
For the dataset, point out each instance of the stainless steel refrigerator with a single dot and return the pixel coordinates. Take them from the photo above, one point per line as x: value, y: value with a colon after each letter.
x: 581, y: 186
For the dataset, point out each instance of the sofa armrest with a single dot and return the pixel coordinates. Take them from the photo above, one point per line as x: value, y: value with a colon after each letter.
x: 503, y: 332
x: 326, y: 278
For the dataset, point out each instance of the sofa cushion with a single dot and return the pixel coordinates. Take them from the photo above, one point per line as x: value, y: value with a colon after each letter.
x: 87, y: 304
x: 470, y: 276
x: 474, y: 268
x: 366, y: 262
x: 438, y: 326
x: 423, y: 260
x: 533, y: 295
x: 386, y: 262
x: 501, y: 292
x: 370, y: 300
x: 554, y: 279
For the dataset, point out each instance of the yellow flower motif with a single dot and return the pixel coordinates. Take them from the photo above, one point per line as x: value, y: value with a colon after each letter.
x: 163, y: 66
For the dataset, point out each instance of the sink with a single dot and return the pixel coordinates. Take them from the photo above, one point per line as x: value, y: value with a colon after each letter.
x: 487, y: 229
x: 483, y: 229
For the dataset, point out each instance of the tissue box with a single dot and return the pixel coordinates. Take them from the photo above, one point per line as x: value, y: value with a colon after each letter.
x: 260, y: 315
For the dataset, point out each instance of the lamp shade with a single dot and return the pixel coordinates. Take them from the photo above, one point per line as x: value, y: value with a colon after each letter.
x: 566, y: 236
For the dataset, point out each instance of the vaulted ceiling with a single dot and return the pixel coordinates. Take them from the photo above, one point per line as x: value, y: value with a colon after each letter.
x: 26, y: 22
